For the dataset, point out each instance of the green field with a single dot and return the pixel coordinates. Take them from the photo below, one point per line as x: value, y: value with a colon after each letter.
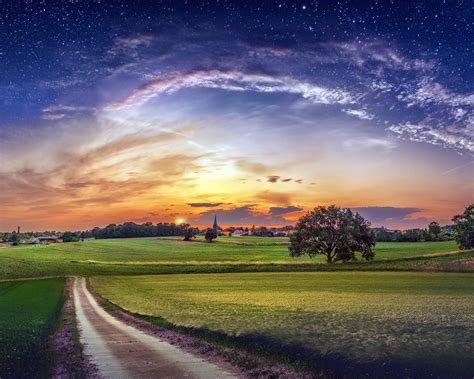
x: 346, y: 322
x: 29, y: 314
x: 168, y: 255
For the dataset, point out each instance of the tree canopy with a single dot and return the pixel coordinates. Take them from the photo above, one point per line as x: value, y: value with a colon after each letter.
x: 210, y: 235
x: 337, y: 233
x: 464, y: 228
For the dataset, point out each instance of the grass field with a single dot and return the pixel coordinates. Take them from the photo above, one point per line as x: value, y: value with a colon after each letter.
x: 348, y: 322
x: 29, y: 312
x: 154, y: 256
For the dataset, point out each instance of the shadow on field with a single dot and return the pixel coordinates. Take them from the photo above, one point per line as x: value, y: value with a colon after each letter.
x: 247, y: 348
x: 332, y: 365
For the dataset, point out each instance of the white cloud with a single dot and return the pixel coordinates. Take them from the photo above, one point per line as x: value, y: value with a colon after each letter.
x: 234, y: 81
x: 360, y: 113
x: 357, y: 144
x: 430, y: 92
x: 53, y: 116
x: 452, y: 136
x: 378, y: 52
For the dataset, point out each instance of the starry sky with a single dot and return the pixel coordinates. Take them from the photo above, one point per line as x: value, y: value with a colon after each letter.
x: 256, y: 111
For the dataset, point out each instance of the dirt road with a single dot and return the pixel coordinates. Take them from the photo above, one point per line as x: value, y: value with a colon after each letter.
x: 119, y: 350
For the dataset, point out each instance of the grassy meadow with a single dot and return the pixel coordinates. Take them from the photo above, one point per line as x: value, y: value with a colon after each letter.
x: 346, y: 322
x: 29, y: 313
x: 248, y: 291
x: 172, y: 255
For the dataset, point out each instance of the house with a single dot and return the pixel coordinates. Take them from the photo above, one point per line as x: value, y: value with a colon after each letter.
x: 48, y: 239
x: 239, y: 233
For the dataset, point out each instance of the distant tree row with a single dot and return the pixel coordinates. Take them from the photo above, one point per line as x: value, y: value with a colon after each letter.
x: 130, y: 230
x: 434, y: 232
x: 15, y: 237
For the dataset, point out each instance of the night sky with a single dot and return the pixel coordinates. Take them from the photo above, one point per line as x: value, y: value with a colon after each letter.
x: 257, y: 111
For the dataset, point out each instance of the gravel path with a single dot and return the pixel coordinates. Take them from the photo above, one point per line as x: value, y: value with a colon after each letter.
x: 119, y: 350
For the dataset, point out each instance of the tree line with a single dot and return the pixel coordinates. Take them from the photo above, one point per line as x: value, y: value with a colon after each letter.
x: 434, y: 232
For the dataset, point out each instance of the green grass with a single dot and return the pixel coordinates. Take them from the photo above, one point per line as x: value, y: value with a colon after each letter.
x: 347, y: 322
x: 29, y: 312
x: 168, y: 255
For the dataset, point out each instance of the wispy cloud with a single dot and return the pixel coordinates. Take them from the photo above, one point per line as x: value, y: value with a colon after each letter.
x: 234, y: 81
x: 461, y: 138
x: 359, y: 113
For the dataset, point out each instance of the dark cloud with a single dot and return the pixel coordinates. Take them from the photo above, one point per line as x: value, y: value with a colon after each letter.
x: 383, y: 216
x: 277, y: 211
x: 245, y: 215
x: 273, y: 178
x: 204, y: 205
x: 287, y: 180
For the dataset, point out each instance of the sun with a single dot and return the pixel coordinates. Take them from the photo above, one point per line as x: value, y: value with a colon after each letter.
x: 179, y: 220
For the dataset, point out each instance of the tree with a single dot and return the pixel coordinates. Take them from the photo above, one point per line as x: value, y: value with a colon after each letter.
x: 189, y: 233
x: 463, y: 228
x: 434, y: 228
x: 210, y: 235
x: 14, y: 239
x: 70, y: 237
x: 333, y: 232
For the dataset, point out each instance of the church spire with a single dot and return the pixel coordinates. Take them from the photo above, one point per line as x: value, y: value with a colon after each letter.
x: 215, y: 226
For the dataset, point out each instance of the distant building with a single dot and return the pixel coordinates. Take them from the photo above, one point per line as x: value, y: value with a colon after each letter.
x: 48, y: 239
x: 239, y: 233
x: 215, y: 226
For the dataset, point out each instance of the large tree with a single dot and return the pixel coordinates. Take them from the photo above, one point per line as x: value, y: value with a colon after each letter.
x: 189, y: 233
x: 464, y: 228
x: 434, y: 228
x: 210, y: 235
x: 337, y: 233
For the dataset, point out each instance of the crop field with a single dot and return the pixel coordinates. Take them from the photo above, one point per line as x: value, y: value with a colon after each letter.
x: 345, y: 322
x: 29, y: 312
x: 171, y: 255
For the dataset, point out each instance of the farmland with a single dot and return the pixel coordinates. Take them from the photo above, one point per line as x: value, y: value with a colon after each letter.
x: 383, y: 321
x: 29, y: 314
x: 248, y: 293
x: 155, y: 256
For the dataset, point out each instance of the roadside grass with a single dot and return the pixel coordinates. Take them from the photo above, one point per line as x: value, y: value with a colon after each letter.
x: 347, y: 323
x: 171, y: 255
x: 29, y: 314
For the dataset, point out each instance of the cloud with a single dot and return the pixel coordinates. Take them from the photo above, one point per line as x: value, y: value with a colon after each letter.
x: 53, y: 116
x: 278, y: 211
x: 375, y: 52
x: 274, y: 197
x: 245, y: 215
x: 429, y: 92
x: 383, y: 216
x: 358, y: 144
x: 61, y: 111
x: 130, y: 45
x: 233, y: 81
x: 273, y: 178
x: 360, y: 113
x: 448, y: 137
x: 204, y: 205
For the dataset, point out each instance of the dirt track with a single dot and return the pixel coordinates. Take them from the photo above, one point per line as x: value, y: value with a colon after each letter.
x: 119, y: 350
